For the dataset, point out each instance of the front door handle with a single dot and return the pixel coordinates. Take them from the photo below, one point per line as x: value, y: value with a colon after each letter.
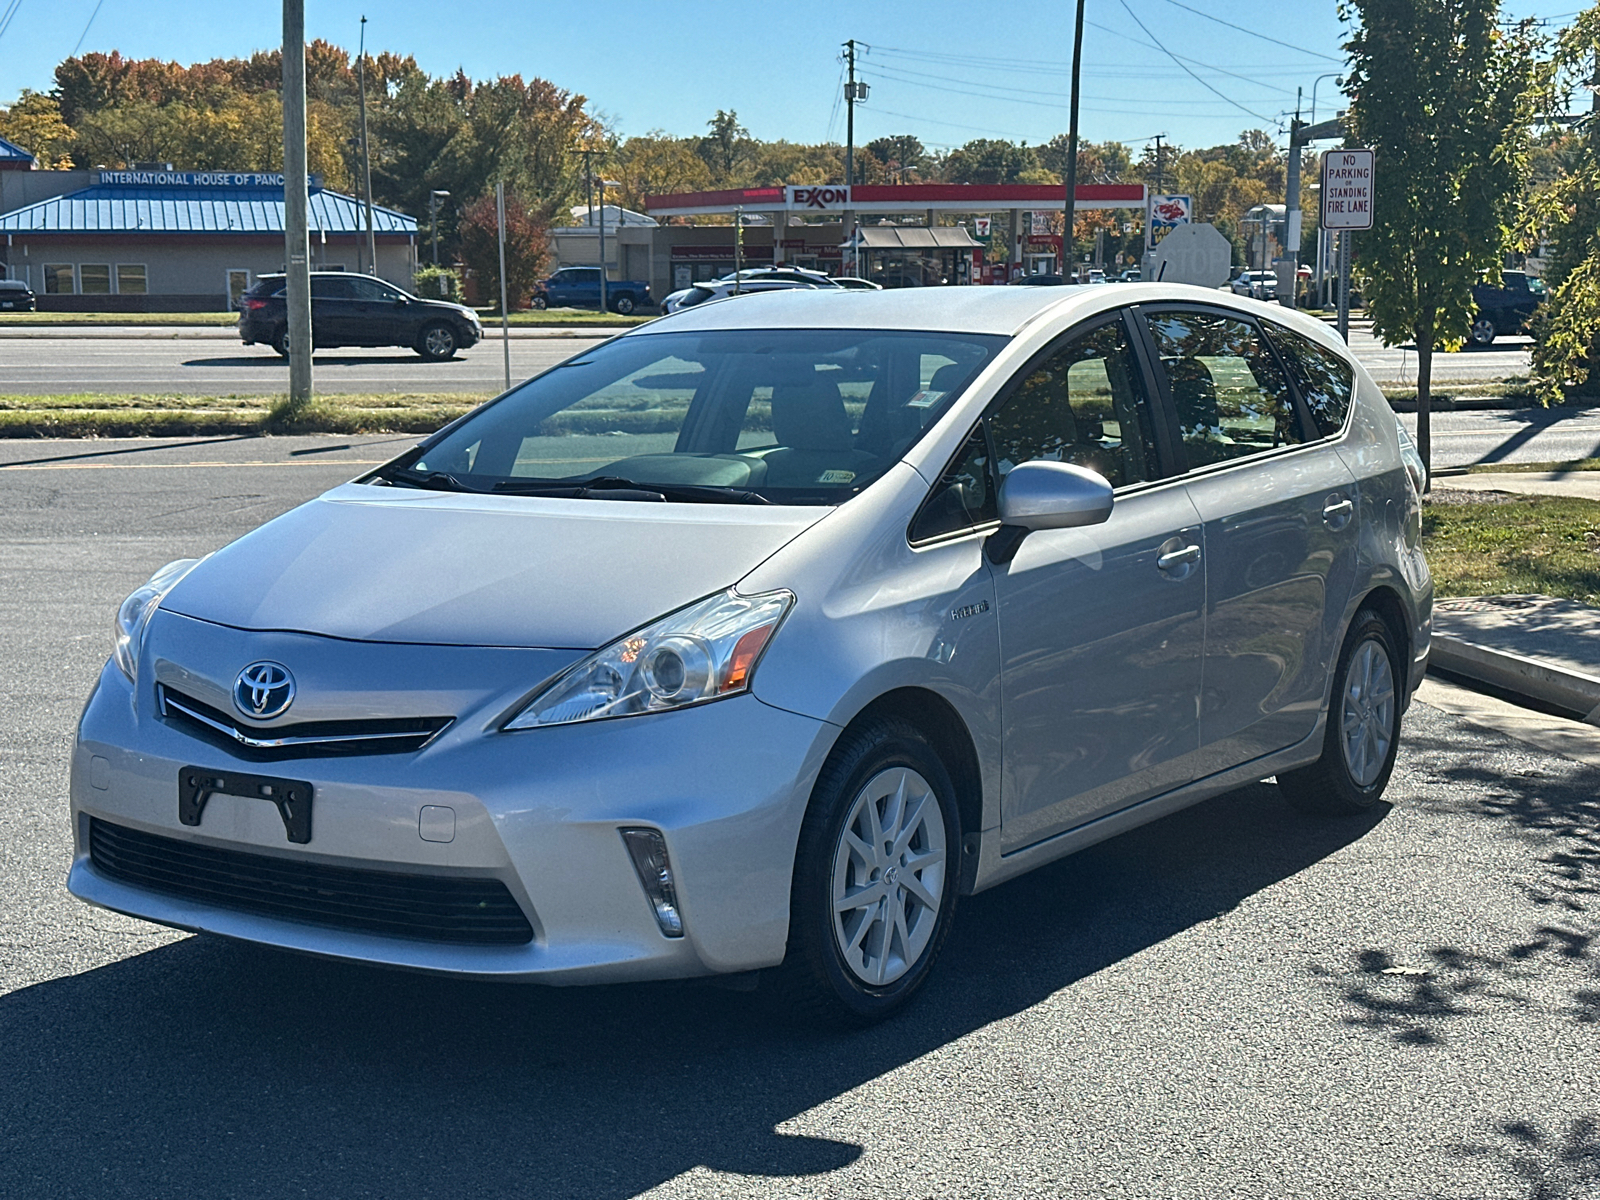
x: 1337, y: 510
x: 1174, y: 559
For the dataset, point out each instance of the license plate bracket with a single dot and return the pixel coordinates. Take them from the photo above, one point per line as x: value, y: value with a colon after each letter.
x: 292, y: 797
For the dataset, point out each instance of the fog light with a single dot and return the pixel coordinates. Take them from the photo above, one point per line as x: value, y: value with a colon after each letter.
x: 649, y: 851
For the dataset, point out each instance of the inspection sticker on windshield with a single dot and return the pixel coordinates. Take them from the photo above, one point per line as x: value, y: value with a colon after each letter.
x: 836, y: 477
x: 924, y: 399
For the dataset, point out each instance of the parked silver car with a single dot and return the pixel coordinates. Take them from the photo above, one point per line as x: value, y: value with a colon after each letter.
x: 750, y: 281
x: 751, y: 639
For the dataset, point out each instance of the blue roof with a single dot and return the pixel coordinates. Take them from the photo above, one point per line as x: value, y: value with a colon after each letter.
x: 106, y: 209
x: 11, y: 152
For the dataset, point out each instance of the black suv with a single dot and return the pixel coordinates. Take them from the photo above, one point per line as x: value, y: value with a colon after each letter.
x: 358, y: 310
x: 1504, y: 309
x: 15, y: 296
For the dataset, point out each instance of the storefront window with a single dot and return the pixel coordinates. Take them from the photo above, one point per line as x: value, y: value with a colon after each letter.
x: 131, y: 279
x: 58, y: 279
x: 95, y: 279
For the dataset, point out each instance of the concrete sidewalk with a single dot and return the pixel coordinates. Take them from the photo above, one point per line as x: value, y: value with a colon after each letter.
x: 1582, y: 484
x: 1533, y: 646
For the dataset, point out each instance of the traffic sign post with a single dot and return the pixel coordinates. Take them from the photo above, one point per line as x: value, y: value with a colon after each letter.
x: 1347, y: 180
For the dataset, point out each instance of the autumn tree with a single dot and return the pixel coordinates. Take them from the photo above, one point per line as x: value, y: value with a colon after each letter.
x: 1442, y: 95
x: 527, y: 248
x: 34, y: 123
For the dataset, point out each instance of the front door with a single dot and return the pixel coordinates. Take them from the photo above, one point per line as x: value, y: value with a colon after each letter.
x: 378, y: 315
x: 1101, y: 628
x: 1280, y: 533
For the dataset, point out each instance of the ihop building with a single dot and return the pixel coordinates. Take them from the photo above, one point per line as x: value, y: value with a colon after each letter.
x: 176, y: 241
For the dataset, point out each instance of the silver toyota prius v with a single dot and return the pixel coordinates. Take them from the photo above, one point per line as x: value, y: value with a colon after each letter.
x: 750, y: 640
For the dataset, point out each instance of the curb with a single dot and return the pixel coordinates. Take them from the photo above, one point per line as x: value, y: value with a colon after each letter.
x: 1466, y: 404
x: 1530, y: 677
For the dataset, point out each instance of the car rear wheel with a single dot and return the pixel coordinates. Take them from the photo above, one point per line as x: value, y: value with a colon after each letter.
x: 280, y: 340
x: 540, y: 302
x: 1363, y: 734
x: 1483, y: 332
x: 623, y: 304
x: 875, y: 879
x: 437, y: 342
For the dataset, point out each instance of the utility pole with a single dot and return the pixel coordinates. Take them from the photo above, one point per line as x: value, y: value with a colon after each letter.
x: 296, y: 238
x: 588, y: 182
x: 1071, y: 213
x: 433, y: 219
x: 853, y: 93
x: 366, y: 158
x: 505, y: 314
x: 1160, y: 179
x: 603, y: 297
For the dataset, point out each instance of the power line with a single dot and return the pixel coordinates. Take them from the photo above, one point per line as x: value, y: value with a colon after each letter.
x: 1185, y: 110
x: 1049, y: 67
x: 1197, y: 79
x: 1037, y: 92
x: 85, y: 32
x: 1286, y: 45
x: 5, y: 18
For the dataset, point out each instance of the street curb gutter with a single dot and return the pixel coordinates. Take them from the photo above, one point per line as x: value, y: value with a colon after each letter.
x: 1533, y: 677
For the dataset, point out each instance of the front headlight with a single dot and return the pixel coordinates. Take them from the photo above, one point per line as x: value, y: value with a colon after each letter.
x: 133, y: 615
x: 704, y: 652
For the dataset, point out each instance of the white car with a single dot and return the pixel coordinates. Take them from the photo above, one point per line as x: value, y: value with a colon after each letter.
x: 747, y: 282
x: 1262, y: 285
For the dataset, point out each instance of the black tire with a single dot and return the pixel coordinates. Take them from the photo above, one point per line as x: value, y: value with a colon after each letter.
x: 1331, y: 786
x: 815, y: 981
x: 540, y: 302
x: 1483, y: 330
x: 437, y: 341
x: 623, y: 305
x: 280, y: 340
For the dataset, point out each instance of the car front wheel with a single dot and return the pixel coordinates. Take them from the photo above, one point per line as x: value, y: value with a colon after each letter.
x: 437, y: 342
x: 875, y: 878
x: 540, y: 302
x: 1483, y: 332
x: 623, y: 304
x: 1363, y: 734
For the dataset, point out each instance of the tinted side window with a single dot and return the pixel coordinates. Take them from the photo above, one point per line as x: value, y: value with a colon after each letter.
x: 1231, y: 397
x: 1325, y: 380
x: 964, y: 496
x: 325, y: 287
x: 1082, y: 405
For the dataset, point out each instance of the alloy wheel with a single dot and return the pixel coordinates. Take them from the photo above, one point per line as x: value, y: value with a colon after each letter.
x: 889, y: 876
x: 439, y: 342
x: 1483, y: 331
x: 1367, y: 711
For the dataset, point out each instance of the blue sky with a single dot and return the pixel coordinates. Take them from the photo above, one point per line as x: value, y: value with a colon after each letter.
x: 942, y: 70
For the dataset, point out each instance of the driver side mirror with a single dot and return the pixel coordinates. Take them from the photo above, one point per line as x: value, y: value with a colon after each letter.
x: 1046, y: 495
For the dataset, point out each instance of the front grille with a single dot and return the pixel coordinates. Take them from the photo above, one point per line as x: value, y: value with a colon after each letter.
x: 435, y: 908
x: 390, y: 735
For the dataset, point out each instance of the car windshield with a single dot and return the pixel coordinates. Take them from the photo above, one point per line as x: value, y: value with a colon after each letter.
x: 774, y: 416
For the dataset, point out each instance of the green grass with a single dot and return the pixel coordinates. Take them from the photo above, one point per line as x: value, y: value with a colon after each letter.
x: 154, y: 415
x: 1514, y: 544
x: 1514, y: 387
x: 561, y: 316
x: 106, y: 318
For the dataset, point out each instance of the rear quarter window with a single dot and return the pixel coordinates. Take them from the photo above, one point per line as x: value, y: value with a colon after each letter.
x: 1325, y: 380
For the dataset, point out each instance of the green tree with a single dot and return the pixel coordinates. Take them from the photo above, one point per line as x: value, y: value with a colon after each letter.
x: 902, y: 156
x: 1443, y: 96
x: 34, y: 123
x: 725, y: 147
x: 988, y: 160
x: 1567, y: 213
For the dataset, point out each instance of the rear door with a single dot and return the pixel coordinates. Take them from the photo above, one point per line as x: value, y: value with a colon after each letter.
x: 1278, y: 506
x: 332, y: 311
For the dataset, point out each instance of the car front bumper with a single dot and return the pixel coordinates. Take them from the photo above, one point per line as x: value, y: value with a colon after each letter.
x: 540, y: 811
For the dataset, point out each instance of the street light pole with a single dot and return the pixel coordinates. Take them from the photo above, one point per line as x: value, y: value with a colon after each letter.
x: 604, y: 184
x: 366, y: 157
x: 433, y: 218
x: 296, y: 237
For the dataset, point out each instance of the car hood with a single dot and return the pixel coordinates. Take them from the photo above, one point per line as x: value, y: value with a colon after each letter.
x: 396, y: 565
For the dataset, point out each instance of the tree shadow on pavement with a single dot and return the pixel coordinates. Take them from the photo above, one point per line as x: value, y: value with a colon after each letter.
x: 1556, y: 816
x: 1553, y: 1165
x: 213, y: 1069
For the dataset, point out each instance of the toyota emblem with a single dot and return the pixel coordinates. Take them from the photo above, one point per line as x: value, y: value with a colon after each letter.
x: 264, y: 690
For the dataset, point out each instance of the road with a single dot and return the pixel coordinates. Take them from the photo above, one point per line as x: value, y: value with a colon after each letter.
x: 213, y: 362
x: 1235, y: 1001
x: 1511, y: 435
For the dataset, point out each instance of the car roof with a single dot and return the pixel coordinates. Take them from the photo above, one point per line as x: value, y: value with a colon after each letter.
x: 13, y: 285
x: 998, y: 310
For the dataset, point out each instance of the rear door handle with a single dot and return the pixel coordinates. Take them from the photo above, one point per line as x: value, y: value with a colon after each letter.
x: 1337, y: 511
x: 1176, y: 558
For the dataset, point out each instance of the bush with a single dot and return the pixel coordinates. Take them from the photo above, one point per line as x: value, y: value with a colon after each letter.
x: 437, y: 283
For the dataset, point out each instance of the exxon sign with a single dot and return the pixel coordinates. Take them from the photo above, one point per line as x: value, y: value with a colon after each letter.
x: 827, y: 198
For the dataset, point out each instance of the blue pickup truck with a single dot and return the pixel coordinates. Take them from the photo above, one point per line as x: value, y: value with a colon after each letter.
x: 579, y: 287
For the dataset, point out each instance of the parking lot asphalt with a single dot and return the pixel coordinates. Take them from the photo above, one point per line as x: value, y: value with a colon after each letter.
x: 1235, y: 1001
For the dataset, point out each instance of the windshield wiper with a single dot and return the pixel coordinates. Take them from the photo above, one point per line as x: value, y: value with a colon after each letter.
x: 615, y: 487
x: 435, y: 481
